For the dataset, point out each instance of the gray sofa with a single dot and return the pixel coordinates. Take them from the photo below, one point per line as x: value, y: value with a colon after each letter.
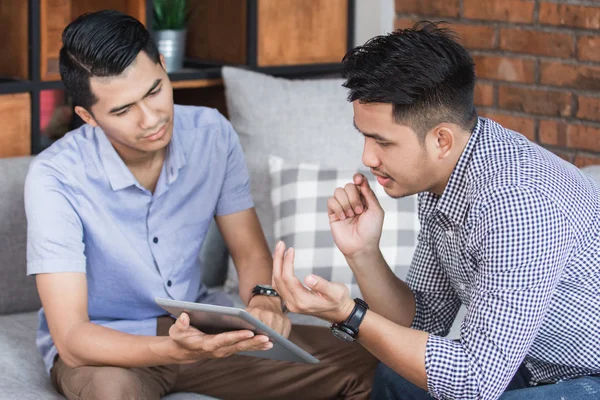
x: 303, y: 121
x: 22, y: 373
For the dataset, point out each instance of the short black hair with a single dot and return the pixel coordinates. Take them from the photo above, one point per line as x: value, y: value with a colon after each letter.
x: 100, y: 44
x: 422, y: 71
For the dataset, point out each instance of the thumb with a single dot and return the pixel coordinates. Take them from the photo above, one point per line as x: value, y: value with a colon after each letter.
x: 318, y: 284
x: 362, y: 183
x: 183, y: 321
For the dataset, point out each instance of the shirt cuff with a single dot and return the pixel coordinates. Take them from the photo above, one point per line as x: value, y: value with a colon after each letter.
x: 447, y: 369
x: 234, y: 205
x: 58, y: 265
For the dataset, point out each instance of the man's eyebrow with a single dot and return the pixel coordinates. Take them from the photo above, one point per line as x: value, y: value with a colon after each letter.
x: 371, y: 135
x: 119, y: 108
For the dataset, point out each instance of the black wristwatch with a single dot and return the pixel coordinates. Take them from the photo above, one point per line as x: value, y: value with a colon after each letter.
x: 348, y: 330
x: 267, y: 290
x: 264, y: 290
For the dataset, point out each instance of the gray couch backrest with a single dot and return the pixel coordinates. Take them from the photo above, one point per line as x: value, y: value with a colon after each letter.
x: 17, y: 291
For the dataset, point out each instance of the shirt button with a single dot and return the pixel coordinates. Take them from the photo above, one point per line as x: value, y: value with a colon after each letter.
x: 169, y: 283
x: 449, y: 233
x: 155, y: 240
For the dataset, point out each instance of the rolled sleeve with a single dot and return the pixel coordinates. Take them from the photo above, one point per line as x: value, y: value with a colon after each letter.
x: 523, y: 244
x: 54, y: 230
x: 235, y: 192
x: 436, y: 302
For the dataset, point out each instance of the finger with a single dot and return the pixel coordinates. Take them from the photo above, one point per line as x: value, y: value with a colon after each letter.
x: 365, y: 190
x: 354, y: 197
x: 342, y: 197
x: 334, y: 210
x: 321, y: 285
x: 295, y: 291
x: 257, y: 343
x: 181, y: 326
x: 291, y: 284
x: 287, y: 328
x: 213, y: 343
x: 280, y: 282
x: 278, y: 262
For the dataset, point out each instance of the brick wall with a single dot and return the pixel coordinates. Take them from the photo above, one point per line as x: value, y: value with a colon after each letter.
x: 537, y: 63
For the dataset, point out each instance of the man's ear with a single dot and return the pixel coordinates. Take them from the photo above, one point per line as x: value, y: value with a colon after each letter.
x: 162, y: 62
x: 86, y: 116
x: 444, y: 140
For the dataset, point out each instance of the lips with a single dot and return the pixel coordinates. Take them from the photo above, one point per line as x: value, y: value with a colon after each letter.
x: 382, y: 179
x: 157, y: 135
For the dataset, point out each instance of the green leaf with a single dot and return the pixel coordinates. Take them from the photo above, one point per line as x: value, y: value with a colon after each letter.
x: 170, y: 14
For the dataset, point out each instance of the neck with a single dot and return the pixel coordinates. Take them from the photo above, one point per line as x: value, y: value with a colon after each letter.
x: 450, y: 165
x: 135, y: 159
x: 143, y: 160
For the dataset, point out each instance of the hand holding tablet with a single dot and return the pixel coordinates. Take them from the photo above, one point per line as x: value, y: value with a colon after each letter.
x: 213, y: 319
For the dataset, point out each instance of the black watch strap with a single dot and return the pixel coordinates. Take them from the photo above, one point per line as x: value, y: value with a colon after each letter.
x: 357, y: 314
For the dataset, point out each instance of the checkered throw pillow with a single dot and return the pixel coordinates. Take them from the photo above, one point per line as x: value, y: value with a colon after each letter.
x: 299, y: 195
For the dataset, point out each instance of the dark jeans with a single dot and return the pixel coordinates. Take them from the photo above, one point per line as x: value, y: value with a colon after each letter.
x: 388, y: 385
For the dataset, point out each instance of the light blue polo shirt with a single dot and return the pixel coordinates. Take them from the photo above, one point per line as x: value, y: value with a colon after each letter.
x: 87, y: 213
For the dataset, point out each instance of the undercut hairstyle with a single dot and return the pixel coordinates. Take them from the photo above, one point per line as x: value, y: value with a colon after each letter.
x: 423, y: 72
x: 100, y: 44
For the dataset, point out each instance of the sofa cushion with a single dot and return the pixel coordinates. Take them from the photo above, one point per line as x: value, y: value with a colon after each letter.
x: 299, y: 193
x: 17, y: 291
x: 300, y: 120
x: 22, y: 372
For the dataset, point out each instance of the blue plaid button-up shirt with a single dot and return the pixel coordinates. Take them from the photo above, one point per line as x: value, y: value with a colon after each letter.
x: 515, y: 237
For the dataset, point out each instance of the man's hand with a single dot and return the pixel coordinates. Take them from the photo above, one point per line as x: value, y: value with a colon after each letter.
x: 192, y: 345
x: 355, y: 218
x: 268, y: 310
x: 323, y: 299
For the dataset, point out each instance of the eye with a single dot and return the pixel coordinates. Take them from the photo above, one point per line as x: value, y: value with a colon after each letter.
x: 383, y: 144
x: 155, y: 92
x: 125, y: 111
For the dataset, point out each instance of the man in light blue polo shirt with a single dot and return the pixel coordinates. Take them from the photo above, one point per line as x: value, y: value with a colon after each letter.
x: 117, y: 213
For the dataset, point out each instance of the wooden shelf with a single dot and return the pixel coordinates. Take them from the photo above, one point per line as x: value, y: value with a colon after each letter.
x: 15, y: 133
x: 56, y: 14
x: 297, y: 32
x: 196, y: 84
x: 270, y: 33
x: 14, y: 23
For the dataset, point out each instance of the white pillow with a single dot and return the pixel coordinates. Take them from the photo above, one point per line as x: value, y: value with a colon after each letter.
x: 299, y: 194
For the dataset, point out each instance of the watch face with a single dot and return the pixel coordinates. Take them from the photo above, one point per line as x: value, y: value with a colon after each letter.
x: 342, y: 335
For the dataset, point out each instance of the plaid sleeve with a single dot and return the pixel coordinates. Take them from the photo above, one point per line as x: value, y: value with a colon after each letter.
x: 436, y: 301
x: 522, y: 243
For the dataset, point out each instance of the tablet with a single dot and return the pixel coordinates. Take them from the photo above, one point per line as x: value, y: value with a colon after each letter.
x: 216, y: 319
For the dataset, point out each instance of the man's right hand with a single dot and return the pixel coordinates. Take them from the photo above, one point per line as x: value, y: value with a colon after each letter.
x: 193, y: 345
x: 355, y: 218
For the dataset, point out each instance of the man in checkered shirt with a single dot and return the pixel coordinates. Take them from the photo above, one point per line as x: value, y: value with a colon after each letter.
x: 507, y: 229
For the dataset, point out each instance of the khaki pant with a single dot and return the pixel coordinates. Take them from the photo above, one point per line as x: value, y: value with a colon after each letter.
x: 345, y: 372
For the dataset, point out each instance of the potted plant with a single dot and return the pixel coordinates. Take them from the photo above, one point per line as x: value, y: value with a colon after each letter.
x: 170, y: 28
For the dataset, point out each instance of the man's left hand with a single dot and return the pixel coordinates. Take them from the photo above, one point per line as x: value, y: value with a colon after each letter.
x: 268, y: 310
x: 320, y: 298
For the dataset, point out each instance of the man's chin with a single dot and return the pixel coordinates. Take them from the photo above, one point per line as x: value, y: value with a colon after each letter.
x: 394, y: 192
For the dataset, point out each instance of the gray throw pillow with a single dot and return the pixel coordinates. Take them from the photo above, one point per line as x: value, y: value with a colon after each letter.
x: 300, y: 120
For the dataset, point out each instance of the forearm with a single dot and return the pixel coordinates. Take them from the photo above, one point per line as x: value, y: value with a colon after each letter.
x: 254, y: 271
x: 400, y: 348
x: 387, y: 295
x: 92, y: 344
